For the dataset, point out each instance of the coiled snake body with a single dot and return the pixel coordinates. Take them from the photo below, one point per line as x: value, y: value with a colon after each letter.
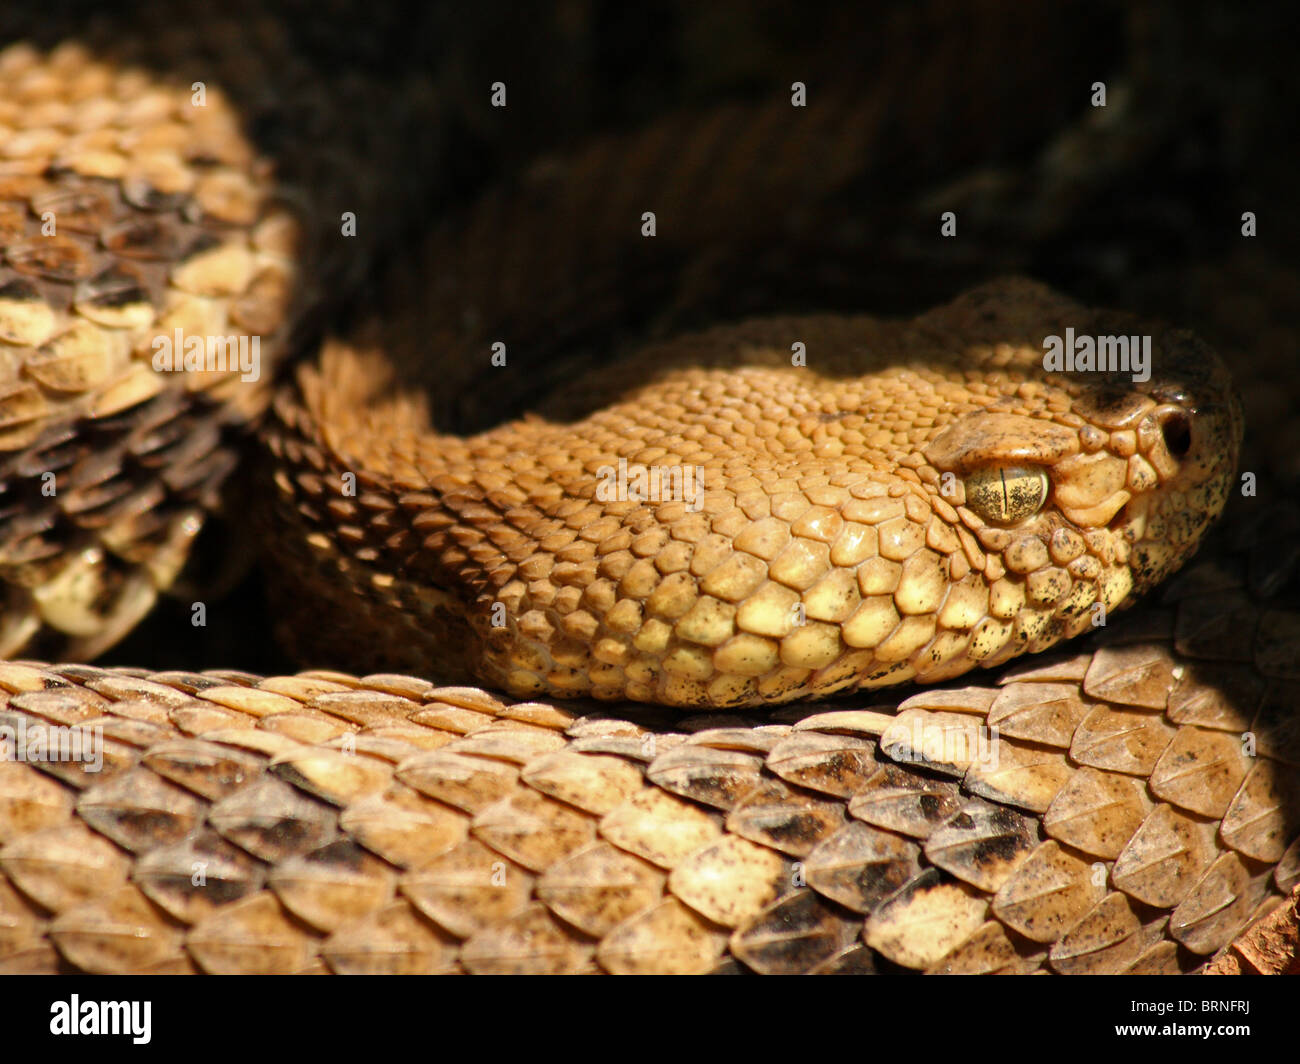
x: 901, y: 501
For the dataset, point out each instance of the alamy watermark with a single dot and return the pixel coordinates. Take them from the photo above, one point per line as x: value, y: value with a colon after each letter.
x: 970, y: 743
x: 179, y: 353
x: 93, y: 1017
x: 1098, y: 354
x: 41, y: 743
x: 639, y: 483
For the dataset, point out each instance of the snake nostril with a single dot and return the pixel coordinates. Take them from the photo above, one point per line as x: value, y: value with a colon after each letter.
x: 1177, y: 431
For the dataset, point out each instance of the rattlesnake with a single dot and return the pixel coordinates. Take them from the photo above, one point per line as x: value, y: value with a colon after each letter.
x: 1135, y: 808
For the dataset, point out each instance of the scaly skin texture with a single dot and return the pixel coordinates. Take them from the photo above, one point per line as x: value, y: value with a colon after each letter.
x: 134, y: 203
x: 1124, y: 804
x: 1109, y: 822
x: 817, y: 537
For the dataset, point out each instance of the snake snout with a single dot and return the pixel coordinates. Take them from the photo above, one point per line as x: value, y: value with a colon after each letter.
x: 1193, y: 442
x: 1197, y: 414
x: 1191, y: 438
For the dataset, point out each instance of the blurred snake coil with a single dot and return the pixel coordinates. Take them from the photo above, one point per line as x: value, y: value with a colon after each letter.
x: 904, y: 511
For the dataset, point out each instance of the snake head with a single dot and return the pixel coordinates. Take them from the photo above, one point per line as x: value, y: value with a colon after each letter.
x: 1094, y: 486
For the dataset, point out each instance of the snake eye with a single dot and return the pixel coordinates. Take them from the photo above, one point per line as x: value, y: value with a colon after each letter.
x: 1006, y: 495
